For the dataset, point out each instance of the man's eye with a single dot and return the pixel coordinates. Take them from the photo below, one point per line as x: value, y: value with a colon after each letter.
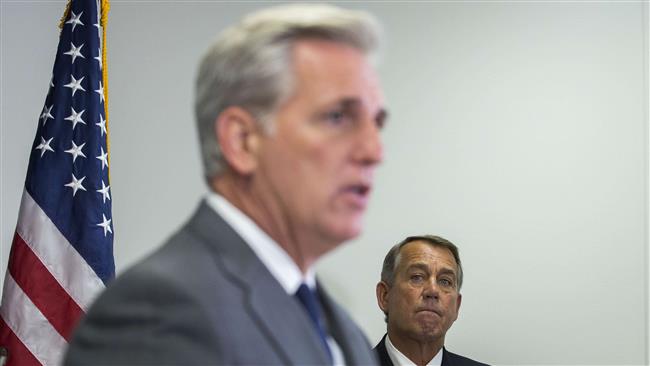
x: 417, y: 278
x: 335, y: 117
x: 445, y: 282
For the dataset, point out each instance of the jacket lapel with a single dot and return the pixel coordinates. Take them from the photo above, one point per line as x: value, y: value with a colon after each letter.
x: 279, y: 316
x: 353, y: 343
x: 284, y: 319
x: 382, y: 353
x: 446, y: 361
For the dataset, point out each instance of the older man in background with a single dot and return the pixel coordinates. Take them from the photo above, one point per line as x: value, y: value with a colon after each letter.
x: 419, y: 293
x: 289, y: 113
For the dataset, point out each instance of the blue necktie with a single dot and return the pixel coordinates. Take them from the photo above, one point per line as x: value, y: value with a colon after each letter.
x: 309, y: 300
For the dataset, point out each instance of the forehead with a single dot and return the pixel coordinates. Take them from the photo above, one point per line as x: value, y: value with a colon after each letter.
x: 421, y: 252
x: 326, y: 69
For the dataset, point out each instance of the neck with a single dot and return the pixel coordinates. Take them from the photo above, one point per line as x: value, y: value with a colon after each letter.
x: 419, y: 351
x: 270, y: 217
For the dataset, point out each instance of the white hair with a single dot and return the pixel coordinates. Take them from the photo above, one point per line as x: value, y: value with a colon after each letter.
x: 249, y: 64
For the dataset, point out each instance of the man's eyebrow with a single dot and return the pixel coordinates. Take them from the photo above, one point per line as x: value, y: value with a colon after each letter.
x: 353, y: 102
x: 350, y: 103
x: 422, y: 266
x: 446, y: 270
x: 425, y: 267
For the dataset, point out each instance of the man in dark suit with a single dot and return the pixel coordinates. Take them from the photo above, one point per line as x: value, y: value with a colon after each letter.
x: 419, y: 294
x: 289, y: 113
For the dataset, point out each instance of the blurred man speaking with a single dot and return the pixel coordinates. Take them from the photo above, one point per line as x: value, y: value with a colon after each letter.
x: 289, y: 113
x: 419, y: 292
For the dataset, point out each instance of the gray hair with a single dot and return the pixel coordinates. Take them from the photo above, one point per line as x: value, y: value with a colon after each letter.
x: 249, y: 65
x: 392, y: 258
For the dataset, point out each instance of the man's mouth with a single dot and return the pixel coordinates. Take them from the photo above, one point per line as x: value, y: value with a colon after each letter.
x: 429, y: 310
x: 357, y: 193
x: 359, y: 189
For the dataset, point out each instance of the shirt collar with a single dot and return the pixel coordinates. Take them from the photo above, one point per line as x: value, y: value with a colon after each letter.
x: 269, y: 252
x: 399, y: 359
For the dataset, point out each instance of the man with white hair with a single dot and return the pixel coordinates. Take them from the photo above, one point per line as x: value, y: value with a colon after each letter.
x: 289, y: 112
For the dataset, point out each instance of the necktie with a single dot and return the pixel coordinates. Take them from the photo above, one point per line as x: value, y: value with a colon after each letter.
x: 310, y: 302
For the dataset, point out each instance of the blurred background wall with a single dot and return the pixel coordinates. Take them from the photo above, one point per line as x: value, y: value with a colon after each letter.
x: 518, y: 130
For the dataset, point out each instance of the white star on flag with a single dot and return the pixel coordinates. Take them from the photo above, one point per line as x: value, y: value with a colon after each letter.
x: 99, y: 28
x: 106, y: 225
x: 74, y: 20
x: 104, y: 192
x: 100, y: 91
x: 45, y: 146
x: 99, y: 57
x: 101, y: 124
x: 76, y: 151
x: 75, y: 84
x: 75, y: 52
x: 47, y: 114
x: 76, y: 184
x: 75, y: 118
x: 104, y: 158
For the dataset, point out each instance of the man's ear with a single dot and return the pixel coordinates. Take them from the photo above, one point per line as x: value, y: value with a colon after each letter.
x: 238, y: 135
x: 460, y: 298
x: 382, y: 296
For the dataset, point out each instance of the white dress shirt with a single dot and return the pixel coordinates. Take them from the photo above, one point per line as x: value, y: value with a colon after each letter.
x: 271, y: 254
x: 399, y: 359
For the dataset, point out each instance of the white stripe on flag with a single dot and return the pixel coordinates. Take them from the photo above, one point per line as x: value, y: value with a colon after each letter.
x: 30, y: 326
x: 63, y: 261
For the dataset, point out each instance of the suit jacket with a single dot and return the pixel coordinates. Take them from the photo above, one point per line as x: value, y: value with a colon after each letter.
x: 204, y: 298
x: 448, y: 358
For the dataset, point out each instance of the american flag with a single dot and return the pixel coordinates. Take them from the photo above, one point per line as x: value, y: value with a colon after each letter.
x: 62, y: 251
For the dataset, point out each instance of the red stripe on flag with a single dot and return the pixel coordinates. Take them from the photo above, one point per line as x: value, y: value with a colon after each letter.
x: 18, y: 354
x: 43, y: 289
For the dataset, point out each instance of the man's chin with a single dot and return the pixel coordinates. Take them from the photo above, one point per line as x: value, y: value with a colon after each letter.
x: 429, y: 332
x: 349, y: 230
x: 342, y: 232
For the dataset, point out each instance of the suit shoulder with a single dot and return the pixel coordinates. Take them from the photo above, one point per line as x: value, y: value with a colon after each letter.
x: 183, y: 261
x: 165, y: 291
x: 453, y: 359
x: 130, y: 323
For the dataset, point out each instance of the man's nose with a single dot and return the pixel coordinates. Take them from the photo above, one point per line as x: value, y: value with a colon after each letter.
x: 431, y: 290
x: 370, y: 149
